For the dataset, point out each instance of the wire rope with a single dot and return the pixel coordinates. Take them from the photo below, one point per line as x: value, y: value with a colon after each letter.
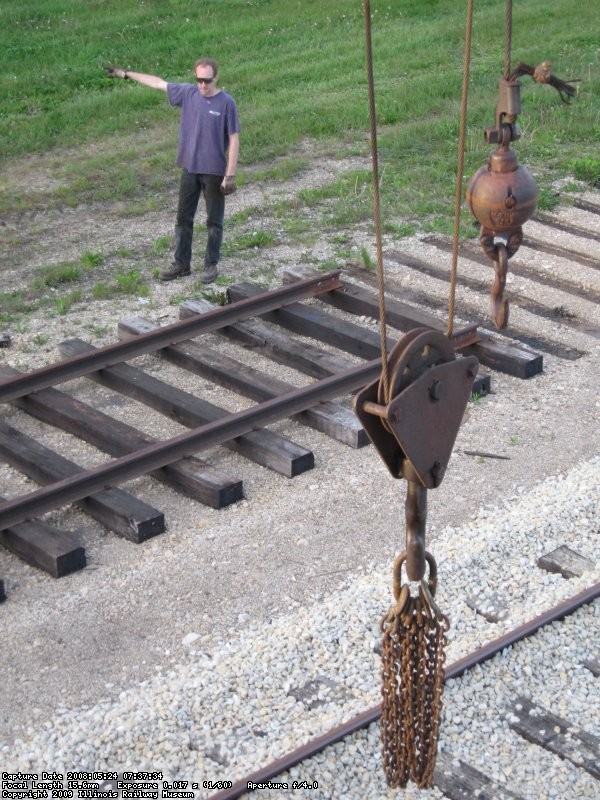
x: 376, y: 204
x: 460, y: 167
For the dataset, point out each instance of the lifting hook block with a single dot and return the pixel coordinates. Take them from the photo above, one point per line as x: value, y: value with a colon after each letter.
x: 502, y: 195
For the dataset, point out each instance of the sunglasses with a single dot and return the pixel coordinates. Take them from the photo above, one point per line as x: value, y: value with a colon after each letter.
x: 205, y: 80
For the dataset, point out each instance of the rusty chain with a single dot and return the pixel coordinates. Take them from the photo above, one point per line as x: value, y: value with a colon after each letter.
x: 414, y: 639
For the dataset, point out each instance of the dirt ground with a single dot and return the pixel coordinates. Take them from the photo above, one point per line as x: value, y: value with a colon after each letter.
x: 134, y: 610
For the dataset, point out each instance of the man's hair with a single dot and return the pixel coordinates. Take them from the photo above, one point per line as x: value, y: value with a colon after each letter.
x: 207, y: 62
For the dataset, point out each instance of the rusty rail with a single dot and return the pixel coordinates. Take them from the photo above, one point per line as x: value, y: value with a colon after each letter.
x: 161, y: 453
x: 54, y: 374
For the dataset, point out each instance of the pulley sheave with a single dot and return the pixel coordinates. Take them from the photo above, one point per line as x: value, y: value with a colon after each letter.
x: 414, y: 430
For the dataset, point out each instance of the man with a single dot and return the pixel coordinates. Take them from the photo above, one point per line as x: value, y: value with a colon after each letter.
x: 208, y: 153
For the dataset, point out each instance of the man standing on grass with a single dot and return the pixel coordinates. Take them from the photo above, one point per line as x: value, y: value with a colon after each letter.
x: 208, y: 152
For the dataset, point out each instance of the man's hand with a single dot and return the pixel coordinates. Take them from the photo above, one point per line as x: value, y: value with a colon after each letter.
x: 228, y: 186
x: 115, y: 72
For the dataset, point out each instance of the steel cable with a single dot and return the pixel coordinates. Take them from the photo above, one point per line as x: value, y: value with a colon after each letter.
x: 376, y: 206
x: 460, y: 167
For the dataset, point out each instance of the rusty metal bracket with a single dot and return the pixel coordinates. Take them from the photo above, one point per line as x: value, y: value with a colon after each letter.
x: 507, y: 109
x: 415, y: 430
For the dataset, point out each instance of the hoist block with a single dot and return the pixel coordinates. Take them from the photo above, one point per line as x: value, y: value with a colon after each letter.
x: 414, y: 428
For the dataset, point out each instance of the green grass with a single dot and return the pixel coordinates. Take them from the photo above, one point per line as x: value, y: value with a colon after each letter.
x: 65, y: 302
x: 61, y: 273
x: 587, y: 169
x: 249, y: 241
x: 297, y: 71
x: 296, y: 68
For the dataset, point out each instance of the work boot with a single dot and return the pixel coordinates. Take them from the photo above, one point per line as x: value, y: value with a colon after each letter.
x: 176, y: 271
x: 209, y: 274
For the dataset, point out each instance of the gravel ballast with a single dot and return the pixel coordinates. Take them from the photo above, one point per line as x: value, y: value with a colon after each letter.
x: 233, y: 706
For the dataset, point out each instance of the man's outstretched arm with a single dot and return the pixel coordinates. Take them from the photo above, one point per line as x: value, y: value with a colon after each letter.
x: 152, y: 81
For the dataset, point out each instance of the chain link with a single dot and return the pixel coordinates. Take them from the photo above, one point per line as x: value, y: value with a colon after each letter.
x: 412, y: 666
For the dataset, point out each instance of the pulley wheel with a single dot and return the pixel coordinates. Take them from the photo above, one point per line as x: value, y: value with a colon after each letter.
x: 417, y: 351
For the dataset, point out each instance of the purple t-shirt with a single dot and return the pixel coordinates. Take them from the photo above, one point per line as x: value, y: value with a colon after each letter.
x: 204, y: 128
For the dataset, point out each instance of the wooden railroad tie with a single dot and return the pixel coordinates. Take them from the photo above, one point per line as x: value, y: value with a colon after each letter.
x: 507, y: 358
x: 555, y: 734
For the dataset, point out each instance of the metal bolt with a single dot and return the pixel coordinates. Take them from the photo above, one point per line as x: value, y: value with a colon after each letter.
x: 435, y: 390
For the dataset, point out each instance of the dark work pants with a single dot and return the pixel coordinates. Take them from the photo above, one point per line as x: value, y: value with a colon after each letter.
x: 191, y: 186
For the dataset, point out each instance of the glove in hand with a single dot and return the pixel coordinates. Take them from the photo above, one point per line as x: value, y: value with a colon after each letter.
x: 114, y: 72
x: 228, y: 186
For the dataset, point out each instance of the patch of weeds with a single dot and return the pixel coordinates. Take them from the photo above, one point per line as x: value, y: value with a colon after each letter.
x: 348, y: 212
x: 296, y: 227
x: 133, y: 282
x: 476, y: 398
x: 89, y: 260
x: 224, y: 280
x: 330, y: 265
x: 218, y: 298
x: 143, y: 206
x: 514, y: 440
x: 438, y: 224
x: 244, y: 214
x: 366, y: 259
x: 123, y: 252
x: 571, y: 186
x: 352, y: 187
x: 249, y: 241
x: 64, y: 304
x: 102, y: 291
x: 265, y: 273
x: 162, y: 245
x: 347, y: 255
x: 548, y: 199
x: 58, y: 274
x: 177, y: 299
x: 400, y: 230
x: 588, y: 170
x: 15, y: 304
x: 97, y: 330
x: 306, y: 257
x: 340, y: 238
x: 41, y: 339
x: 71, y: 195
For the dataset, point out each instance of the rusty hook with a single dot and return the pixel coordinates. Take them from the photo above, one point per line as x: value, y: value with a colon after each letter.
x: 500, y: 306
x: 499, y: 253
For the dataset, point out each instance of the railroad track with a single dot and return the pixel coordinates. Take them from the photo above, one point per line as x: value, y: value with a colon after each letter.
x: 534, y: 730
x: 256, y: 697
x: 547, y: 280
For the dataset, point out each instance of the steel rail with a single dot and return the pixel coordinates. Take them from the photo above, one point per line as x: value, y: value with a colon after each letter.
x: 188, y: 443
x: 366, y: 718
x: 164, y: 336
